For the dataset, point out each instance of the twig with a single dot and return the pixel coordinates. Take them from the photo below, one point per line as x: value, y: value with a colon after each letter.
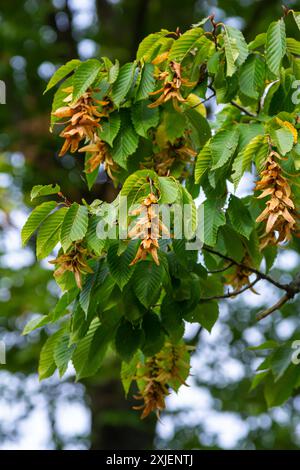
x: 221, y: 270
x: 234, y: 293
x: 203, y: 101
x: 285, y: 287
x: 244, y: 110
x: 272, y: 309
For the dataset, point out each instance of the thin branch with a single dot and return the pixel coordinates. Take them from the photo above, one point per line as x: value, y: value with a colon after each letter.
x: 203, y: 101
x: 234, y: 293
x: 272, y: 309
x: 285, y: 287
x: 244, y: 110
x: 221, y: 270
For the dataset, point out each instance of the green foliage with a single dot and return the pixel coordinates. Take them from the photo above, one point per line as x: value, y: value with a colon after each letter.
x: 157, y: 143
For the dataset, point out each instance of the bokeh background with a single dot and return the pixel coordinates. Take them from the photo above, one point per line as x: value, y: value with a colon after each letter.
x: 217, y: 410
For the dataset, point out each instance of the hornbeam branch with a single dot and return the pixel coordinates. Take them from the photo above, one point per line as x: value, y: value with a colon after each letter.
x: 234, y: 293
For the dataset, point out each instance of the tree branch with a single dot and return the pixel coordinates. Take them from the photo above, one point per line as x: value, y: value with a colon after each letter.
x: 244, y: 110
x: 285, y: 287
x: 272, y: 309
x: 234, y: 293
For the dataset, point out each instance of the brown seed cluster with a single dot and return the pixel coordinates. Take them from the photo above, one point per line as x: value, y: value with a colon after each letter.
x: 83, y: 121
x: 239, y: 277
x: 75, y: 261
x: 171, y: 89
x: 280, y: 208
x: 149, y: 228
x: 157, y: 373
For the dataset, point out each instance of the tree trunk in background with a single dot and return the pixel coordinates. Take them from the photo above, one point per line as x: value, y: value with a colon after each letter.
x: 115, y: 426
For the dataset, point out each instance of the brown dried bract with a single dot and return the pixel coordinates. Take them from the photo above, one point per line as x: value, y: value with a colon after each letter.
x: 73, y: 261
x: 148, y: 227
x: 171, y: 87
x: 99, y: 154
x: 280, y: 209
x: 83, y: 119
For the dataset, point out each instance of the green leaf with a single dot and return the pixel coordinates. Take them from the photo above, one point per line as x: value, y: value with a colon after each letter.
x: 137, y: 186
x: 171, y: 318
x: 64, y: 301
x: 94, y: 242
x: 236, y: 49
x: 62, y: 353
x: 48, y: 234
x: 147, y: 82
x: 206, y: 313
x: 74, y: 225
x: 143, y: 117
x: 174, y: 125
x: 283, y: 139
x: 148, y: 44
x: 169, y: 190
x: 147, y: 281
x: 199, y: 125
x: 275, y: 45
x: 293, y: 46
x: 212, y: 219
x: 296, y: 15
x: 240, y: 217
x: 47, y: 364
x: 128, y: 371
x: 119, y: 265
x: 62, y: 72
x: 251, y: 79
x: 37, y: 216
x: 278, y: 392
x: 154, y: 337
x: 123, y: 83
x: 185, y: 44
x: 255, y: 150
x: 44, y: 190
x: 113, y: 72
x: 110, y: 128
x: 259, y: 41
x: 35, y: 323
x: 126, y: 141
x: 223, y: 146
x: 84, y: 76
x: 203, y: 162
x: 281, y: 359
x: 128, y: 339
x: 257, y: 379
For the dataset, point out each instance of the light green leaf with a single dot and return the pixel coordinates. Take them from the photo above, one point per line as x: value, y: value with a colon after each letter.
x: 169, y: 190
x: 296, y: 15
x: 94, y: 242
x: 236, y: 49
x: 212, y: 219
x: 251, y: 78
x: 223, y: 146
x: 283, y: 139
x: 259, y: 41
x: 74, y: 225
x: 185, y: 44
x: 255, y: 150
x: 147, y: 82
x: 48, y: 234
x: 148, y: 44
x: 62, y: 353
x: 275, y: 45
x: 128, y: 371
x: 37, y: 216
x: 203, y: 162
x: 44, y: 190
x: 35, y: 323
x: 123, y: 83
x: 62, y: 72
x: 293, y: 46
x: 84, y: 76
x: 137, y: 186
x: 47, y: 364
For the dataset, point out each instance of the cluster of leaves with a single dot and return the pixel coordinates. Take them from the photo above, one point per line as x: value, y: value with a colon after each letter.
x: 153, y: 123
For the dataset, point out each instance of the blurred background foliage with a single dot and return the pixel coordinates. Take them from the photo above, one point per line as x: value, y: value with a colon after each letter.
x: 217, y: 411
